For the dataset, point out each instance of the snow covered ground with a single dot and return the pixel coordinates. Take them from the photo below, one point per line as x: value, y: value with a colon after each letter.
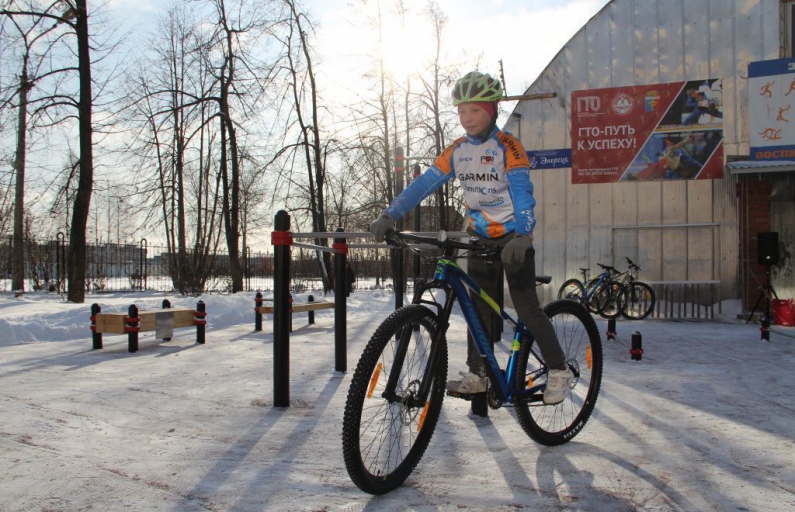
x: 705, y: 422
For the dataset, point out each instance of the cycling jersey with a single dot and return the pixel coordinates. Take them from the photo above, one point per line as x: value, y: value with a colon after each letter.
x: 495, y: 179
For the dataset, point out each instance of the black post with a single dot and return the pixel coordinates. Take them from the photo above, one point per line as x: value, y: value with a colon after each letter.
x: 417, y: 226
x: 340, y: 303
x: 96, y: 337
x: 257, y: 313
x: 142, y: 264
x: 611, y: 329
x: 60, y: 260
x: 282, y: 239
x: 400, y: 277
x: 166, y: 305
x: 132, y: 328
x: 637, y: 347
x: 398, y: 256
x: 200, y: 319
x: 310, y: 313
x: 765, y: 328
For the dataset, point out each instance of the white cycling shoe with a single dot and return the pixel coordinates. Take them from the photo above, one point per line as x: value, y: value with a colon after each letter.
x: 558, y: 386
x: 468, y: 384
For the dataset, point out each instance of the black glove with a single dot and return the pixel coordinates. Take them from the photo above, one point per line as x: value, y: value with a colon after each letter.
x: 381, y: 225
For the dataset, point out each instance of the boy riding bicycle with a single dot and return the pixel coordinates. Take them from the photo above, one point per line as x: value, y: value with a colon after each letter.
x: 494, y: 172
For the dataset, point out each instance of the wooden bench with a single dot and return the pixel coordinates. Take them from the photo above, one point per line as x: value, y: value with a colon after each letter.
x: 133, y: 322
x: 295, y: 307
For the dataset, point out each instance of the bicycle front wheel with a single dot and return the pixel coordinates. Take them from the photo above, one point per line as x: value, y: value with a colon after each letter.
x: 572, y: 289
x: 611, y: 307
x: 579, y: 338
x: 637, y: 301
x: 596, y: 301
x: 385, y: 431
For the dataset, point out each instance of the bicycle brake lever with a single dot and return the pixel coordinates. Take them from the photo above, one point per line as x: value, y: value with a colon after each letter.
x: 391, y: 238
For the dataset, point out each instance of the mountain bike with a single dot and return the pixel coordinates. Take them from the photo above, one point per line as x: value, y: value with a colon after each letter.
x: 637, y: 298
x: 398, y: 387
x: 600, y: 294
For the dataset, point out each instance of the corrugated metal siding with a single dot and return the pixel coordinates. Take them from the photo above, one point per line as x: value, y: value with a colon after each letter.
x: 634, y: 42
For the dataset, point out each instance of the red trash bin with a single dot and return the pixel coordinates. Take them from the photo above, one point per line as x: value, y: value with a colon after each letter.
x: 783, y: 312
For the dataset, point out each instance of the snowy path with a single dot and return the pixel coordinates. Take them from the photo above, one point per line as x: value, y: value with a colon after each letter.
x: 705, y: 422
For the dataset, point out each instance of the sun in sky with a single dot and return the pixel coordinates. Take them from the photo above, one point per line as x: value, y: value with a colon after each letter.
x: 407, y: 46
x: 524, y: 34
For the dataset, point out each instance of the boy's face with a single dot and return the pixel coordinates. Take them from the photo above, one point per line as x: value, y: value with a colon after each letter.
x: 474, y: 118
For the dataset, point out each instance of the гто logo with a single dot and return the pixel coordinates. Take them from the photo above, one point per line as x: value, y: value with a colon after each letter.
x: 623, y: 103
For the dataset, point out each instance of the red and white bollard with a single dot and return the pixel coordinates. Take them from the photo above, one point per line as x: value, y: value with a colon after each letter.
x: 611, y: 329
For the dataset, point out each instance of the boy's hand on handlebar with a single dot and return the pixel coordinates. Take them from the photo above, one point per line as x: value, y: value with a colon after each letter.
x: 515, y: 250
x: 380, y: 226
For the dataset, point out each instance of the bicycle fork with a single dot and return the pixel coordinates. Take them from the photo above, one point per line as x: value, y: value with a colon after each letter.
x: 420, y: 398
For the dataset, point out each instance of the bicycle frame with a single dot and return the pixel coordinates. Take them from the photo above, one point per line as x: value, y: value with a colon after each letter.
x: 452, y: 279
x: 590, y: 291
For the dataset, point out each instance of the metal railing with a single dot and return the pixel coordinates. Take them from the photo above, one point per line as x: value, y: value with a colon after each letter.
x: 130, y: 267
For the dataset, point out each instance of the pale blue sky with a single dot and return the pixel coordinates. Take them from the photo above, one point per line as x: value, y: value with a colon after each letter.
x: 525, y: 34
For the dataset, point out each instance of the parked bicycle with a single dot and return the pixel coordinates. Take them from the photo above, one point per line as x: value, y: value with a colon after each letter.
x: 398, y: 387
x: 637, y: 299
x: 600, y: 294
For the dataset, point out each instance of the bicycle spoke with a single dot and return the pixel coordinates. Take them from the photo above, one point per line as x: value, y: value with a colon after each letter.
x: 382, y: 441
x: 580, y: 341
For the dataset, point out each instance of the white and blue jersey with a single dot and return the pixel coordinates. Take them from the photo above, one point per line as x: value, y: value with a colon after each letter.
x: 495, y: 179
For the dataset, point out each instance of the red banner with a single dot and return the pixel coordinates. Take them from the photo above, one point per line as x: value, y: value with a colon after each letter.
x: 648, y: 132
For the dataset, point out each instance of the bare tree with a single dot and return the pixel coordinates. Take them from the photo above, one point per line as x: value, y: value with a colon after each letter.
x: 170, y: 84
x: 303, y: 91
x: 37, y: 38
x: 434, y: 128
x: 241, y: 79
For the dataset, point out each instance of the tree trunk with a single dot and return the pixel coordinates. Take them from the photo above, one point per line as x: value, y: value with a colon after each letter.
x: 18, y: 275
x: 77, y: 240
x: 231, y: 198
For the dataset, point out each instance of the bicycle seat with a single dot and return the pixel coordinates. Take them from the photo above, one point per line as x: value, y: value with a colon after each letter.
x: 543, y: 279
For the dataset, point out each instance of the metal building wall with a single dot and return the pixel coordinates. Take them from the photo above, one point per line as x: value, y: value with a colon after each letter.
x: 637, y: 42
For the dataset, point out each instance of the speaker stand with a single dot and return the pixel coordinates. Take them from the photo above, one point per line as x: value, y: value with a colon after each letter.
x: 764, y: 294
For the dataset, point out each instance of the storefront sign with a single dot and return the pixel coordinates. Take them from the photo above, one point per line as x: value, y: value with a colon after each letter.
x: 771, y: 105
x: 550, y: 159
x: 649, y: 132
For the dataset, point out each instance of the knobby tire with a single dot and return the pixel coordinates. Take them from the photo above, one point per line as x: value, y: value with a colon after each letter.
x: 382, y: 440
x: 579, y: 338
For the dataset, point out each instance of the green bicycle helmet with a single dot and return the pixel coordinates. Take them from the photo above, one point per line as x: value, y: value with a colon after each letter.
x: 476, y: 86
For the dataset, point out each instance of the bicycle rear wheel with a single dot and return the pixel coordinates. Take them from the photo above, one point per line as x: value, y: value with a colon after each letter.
x: 572, y: 289
x: 579, y: 338
x: 637, y: 301
x: 385, y: 435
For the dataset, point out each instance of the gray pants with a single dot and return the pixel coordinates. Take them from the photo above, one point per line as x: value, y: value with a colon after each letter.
x: 522, y: 286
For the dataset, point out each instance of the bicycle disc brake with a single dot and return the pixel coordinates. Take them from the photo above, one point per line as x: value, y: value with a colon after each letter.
x: 408, y: 412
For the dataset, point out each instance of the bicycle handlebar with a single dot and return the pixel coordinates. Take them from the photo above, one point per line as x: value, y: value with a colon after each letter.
x: 399, y: 239
x: 632, y: 264
x: 476, y: 248
x: 608, y: 268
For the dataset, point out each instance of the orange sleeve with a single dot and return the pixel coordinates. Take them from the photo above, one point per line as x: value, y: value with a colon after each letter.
x: 444, y: 162
x: 515, y: 155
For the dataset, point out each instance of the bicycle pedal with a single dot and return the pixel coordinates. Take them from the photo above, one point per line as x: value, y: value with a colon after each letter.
x: 466, y: 396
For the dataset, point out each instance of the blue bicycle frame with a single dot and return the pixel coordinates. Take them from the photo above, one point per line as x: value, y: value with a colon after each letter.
x: 453, y: 279
x: 589, y: 292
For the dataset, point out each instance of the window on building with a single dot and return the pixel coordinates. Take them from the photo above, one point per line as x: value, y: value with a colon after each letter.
x: 788, y: 28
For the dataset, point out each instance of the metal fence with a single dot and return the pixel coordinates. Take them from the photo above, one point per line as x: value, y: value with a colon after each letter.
x: 114, y: 267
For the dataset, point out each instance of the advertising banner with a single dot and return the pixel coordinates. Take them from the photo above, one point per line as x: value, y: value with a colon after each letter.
x: 550, y: 159
x: 771, y: 97
x: 648, y: 132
